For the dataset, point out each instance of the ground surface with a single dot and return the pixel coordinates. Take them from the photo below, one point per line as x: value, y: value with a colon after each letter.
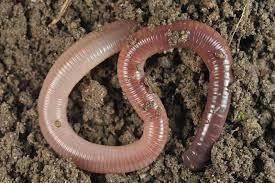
x: 29, y: 47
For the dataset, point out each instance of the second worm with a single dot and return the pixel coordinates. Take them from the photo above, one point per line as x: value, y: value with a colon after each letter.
x: 212, y: 48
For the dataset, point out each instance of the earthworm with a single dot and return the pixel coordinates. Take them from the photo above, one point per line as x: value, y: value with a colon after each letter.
x: 69, y: 68
x: 213, y: 50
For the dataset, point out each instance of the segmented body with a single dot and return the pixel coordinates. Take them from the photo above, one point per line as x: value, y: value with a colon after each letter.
x: 85, y: 54
x: 212, y: 48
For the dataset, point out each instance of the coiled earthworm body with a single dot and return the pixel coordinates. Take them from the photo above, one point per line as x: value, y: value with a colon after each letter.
x: 70, y: 67
x: 85, y: 54
x: 216, y: 55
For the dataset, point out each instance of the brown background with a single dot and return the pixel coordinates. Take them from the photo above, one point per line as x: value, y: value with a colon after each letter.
x: 29, y: 47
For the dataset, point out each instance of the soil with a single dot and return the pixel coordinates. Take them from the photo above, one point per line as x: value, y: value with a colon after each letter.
x: 29, y: 47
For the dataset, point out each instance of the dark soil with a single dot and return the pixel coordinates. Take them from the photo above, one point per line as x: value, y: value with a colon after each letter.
x: 29, y: 47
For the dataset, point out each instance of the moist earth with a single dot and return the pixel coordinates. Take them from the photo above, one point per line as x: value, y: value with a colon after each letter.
x: 100, y: 113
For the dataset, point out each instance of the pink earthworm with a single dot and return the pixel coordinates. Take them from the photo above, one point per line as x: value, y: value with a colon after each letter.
x: 69, y: 68
x: 213, y: 50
